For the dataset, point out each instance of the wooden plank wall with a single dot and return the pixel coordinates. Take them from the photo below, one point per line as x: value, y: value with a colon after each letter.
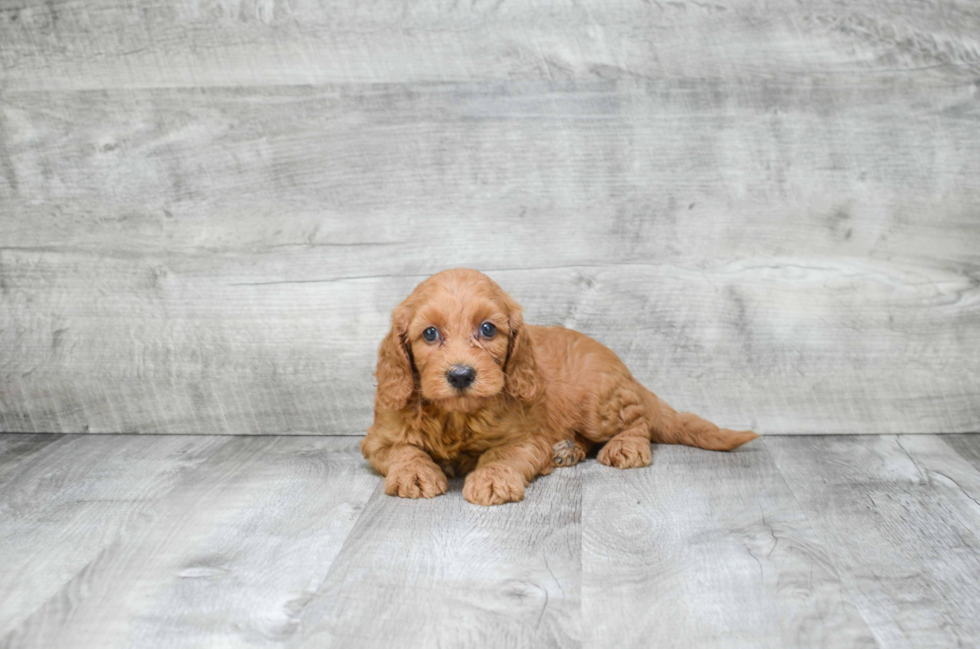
x: 770, y: 210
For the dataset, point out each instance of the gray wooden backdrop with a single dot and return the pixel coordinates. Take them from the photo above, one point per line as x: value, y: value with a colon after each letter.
x: 770, y: 210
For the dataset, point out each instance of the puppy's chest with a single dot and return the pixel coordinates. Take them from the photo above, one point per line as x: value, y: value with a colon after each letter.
x: 453, y: 435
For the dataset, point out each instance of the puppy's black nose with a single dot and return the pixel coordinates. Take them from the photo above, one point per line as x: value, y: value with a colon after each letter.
x: 460, y: 376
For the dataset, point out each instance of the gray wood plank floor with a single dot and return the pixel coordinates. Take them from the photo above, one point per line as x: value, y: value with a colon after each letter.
x: 205, y: 541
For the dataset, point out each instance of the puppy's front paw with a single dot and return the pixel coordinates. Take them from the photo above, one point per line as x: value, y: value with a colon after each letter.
x: 494, y: 484
x: 626, y: 452
x: 416, y: 479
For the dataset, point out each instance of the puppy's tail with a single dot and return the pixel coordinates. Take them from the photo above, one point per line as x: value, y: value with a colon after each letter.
x: 667, y: 426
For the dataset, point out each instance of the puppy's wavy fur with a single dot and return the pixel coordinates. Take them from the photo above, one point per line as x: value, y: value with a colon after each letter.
x: 541, y: 397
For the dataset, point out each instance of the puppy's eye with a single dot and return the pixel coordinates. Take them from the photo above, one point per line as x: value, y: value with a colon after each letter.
x: 431, y: 334
x: 487, y: 330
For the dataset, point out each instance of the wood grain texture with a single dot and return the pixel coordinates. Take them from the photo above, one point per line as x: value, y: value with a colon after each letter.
x: 70, y: 499
x: 17, y: 451
x: 707, y: 550
x: 173, y: 541
x: 207, y: 210
x: 197, y: 541
x: 967, y: 447
x: 446, y: 573
x: 900, y: 517
x: 181, y: 43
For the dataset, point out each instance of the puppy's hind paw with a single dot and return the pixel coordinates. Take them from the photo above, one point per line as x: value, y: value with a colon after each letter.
x: 567, y: 453
x: 626, y: 452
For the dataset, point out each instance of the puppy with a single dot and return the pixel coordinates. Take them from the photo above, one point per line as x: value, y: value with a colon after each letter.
x: 465, y: 387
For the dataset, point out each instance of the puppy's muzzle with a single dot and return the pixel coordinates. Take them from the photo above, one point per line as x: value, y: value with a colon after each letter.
x: 460, y: 376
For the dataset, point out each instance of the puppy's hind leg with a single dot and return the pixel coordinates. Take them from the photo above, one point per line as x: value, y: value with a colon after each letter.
x: 630, y: 447
x: 569, y: 452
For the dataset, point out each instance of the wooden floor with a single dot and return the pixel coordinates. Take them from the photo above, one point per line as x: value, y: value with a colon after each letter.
x: 199, y: 541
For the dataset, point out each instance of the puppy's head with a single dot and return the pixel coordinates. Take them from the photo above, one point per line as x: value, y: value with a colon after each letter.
x: 459, y: 341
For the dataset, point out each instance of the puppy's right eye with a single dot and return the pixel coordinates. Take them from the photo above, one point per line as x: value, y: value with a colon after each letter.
x: 431, y: 334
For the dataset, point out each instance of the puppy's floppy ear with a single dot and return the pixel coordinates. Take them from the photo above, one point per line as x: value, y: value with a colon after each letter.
x: 521, y: 369
x: 396, y: 380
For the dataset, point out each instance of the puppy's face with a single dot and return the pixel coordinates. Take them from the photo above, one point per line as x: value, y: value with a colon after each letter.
x: 459, y: 333
x: 457, y: 341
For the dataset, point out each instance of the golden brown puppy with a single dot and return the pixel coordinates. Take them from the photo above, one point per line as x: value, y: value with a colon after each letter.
x: 466, y: 387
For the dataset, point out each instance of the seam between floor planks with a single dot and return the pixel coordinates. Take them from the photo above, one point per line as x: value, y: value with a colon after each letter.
x: 548, y: 546
x: 905, y: 546
x: 844, y: 582
x: 276, y: 468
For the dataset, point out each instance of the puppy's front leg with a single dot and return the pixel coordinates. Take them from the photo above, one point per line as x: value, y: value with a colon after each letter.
x: 502, y: 473
x: 409, y: 471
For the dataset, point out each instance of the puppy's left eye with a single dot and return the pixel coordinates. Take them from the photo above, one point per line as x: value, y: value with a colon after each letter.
x: 487, y: 330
